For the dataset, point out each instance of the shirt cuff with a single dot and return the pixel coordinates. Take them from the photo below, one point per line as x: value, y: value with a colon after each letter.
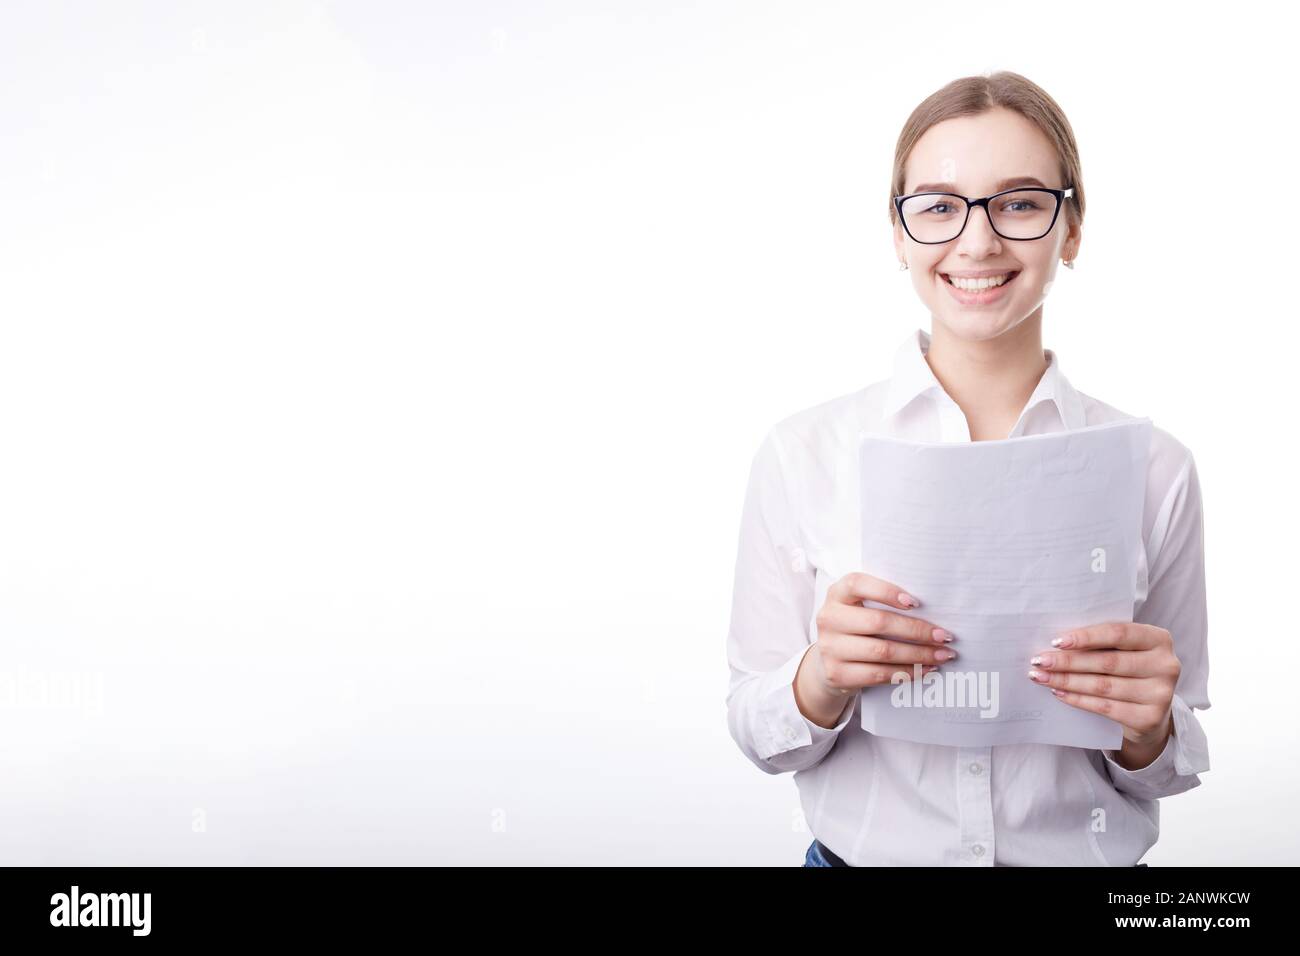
x: 784, y: 724
x: 1186, y: 754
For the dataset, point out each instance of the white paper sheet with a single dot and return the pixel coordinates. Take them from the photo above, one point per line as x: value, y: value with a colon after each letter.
x: 1006, y: 544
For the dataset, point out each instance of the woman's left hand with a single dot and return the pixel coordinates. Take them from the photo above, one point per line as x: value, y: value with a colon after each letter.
x: 1123, y: 671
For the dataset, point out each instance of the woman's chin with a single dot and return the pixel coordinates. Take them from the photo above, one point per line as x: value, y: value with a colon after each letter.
x: 966, y: 324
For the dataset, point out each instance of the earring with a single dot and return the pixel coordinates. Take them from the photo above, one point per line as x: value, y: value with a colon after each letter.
x: 902, y: 266
x: 1068, y: 263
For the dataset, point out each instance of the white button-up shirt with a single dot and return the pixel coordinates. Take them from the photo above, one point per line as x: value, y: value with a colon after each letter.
x: 881, y: 801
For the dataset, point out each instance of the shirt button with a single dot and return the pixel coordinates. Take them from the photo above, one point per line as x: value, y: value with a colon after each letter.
x: 976, y: 768
x: 978, y: 849
x: 790, y: 734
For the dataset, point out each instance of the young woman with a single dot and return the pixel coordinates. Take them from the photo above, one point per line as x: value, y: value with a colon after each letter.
x: 987, y: 197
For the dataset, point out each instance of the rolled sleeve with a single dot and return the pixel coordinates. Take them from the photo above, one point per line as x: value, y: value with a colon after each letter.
x: 1176, y: 601
x: 785, y: 731
x: 769, y: 634
x: 1186, y: 754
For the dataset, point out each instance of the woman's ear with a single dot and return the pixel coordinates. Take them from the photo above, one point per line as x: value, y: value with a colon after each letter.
x: 1073, y: 239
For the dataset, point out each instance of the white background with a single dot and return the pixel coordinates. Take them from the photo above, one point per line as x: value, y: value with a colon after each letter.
x: 378, y: 384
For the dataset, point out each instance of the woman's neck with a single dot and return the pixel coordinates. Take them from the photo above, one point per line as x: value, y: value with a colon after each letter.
x: 990, y: 380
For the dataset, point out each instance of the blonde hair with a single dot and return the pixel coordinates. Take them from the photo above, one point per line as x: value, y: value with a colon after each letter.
x: 972, y: 95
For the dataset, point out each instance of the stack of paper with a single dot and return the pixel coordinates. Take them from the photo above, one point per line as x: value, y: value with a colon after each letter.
x: 1006, y: 544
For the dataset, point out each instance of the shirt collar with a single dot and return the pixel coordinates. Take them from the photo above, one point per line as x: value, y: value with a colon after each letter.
x: 913, y: 378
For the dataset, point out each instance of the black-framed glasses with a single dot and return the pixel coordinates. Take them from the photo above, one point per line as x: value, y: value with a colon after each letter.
x: 1022, y: 214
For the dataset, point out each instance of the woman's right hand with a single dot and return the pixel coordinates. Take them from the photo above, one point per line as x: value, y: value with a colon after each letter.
x: 860, y: 646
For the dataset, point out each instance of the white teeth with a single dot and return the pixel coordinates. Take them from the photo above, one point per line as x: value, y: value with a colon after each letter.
x: 975, y: 285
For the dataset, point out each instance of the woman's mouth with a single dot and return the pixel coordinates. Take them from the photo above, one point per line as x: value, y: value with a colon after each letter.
x: 979, y: 291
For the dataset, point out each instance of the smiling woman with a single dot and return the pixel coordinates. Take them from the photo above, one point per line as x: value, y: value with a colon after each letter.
x: 987, y: 197
x: 1006, y: 141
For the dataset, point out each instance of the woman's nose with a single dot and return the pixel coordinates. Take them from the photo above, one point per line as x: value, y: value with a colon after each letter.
x: 978, y: 238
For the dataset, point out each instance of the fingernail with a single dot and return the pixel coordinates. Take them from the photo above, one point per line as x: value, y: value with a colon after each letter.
x: 944, y: 655
x: 939, y: 634
x: 1065, y: 640
x: 1037, y: 660
x: 907, y: 600
x: 1037, y: 675
x: 1058, y: 693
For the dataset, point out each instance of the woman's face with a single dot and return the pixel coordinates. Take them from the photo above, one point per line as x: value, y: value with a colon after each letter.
x: 973, y: 155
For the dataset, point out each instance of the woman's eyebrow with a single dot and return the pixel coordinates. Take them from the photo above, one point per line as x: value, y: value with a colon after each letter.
x: 1004, y: 184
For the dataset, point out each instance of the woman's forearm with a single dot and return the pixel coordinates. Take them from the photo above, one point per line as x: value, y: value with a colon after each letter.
x: 1135, y: 756
x: 815, y: 702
